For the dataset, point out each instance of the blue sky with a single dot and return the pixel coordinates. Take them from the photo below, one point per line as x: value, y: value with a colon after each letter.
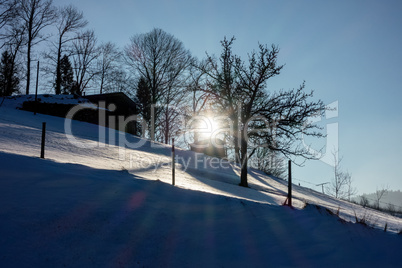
x: 347, y: 51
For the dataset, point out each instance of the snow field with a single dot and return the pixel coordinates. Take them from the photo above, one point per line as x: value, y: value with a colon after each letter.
x: 110, y: 206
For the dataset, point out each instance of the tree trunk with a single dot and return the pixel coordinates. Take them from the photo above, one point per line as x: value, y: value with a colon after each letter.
x: 153, y: 121
x: 167, y: 126
x: 101, y: 85
x: 236, y: 139
x: 244, y: 161
x: 28, y: 67
x: 58, y: 71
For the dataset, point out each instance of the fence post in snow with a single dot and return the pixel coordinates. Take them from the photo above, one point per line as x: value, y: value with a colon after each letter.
x: 290, y: 183
x: 173, y: 163
x: 42, y: 147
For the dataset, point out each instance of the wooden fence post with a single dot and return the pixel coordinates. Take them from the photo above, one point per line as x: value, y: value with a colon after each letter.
x: 173, y: 163
x: 289, y: 183
x: 42, y: 147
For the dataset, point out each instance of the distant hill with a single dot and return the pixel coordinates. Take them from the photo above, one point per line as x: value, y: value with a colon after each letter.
x: 392, y: 197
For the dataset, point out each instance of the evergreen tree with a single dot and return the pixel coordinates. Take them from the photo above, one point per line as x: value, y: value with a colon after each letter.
x: 67, y: 76
x: 143, y: 99
x: 9, y: 81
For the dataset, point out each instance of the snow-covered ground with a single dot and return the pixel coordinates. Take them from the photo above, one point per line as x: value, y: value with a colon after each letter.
x: 110, y: 204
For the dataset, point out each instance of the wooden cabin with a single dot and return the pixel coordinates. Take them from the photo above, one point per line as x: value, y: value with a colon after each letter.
x: 117, y: 104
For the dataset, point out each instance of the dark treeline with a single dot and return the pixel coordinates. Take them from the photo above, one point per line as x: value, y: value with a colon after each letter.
x: 174, y: 91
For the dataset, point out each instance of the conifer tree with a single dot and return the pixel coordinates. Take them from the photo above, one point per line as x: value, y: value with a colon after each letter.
x: 9, y: 81
x: 143, y: 98
x: 67, y: 76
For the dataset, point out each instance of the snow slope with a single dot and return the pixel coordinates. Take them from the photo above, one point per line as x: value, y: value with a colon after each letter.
x: 112, y: 206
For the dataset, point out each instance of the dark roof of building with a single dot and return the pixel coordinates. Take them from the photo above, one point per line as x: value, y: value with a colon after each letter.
x: 124, y: 105
x: 116, y: 97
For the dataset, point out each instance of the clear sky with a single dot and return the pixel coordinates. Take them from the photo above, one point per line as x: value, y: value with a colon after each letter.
x: 347, y: 51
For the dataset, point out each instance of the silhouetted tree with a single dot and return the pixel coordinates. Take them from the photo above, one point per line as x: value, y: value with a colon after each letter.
x: 199, y: 98
x: 379, y: 194
x: 222, y: 87
x: 69, y: 21
x: 33, y: 16
x: 121, y: 81
x: 350, y: 190
x: 143, y: 100
x: 66, y: 76
x: 14, y: 40
x: 240, y: 91
x: 8, y: 12
x: 162, y: 61
x: 172, y: 110
x: 341, y: 184
x: 84, y: 55
x: 107, y: 66
x: 270, y: 162
x: 9, y: 81
x: 13, y: 37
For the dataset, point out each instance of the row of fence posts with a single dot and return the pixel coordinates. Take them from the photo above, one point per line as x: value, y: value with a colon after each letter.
x: 289, y: 197
x: 42, y: 151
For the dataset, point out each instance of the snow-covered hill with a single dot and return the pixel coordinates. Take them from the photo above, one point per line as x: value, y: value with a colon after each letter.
x: 111, y: 205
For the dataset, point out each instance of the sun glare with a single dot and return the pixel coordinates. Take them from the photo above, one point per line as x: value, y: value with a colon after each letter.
x: 207, y: 127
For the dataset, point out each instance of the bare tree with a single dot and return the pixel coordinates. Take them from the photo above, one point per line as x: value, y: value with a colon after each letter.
x: 172, y: 113
x: 364, y: 201
x: 34, y: 16
x: 14, y: 43
x: 69, y: 21
x: 8, y: 12
x: 379, y: 194
x: 341, y: 179
x: 12, y: 33
x: 391, y: 209
x: 197, y: 82
x: 240, y: 90
x: 13, y: 36
x: 270, y: 162
x: 162, y: 61
x: 350, y: 189
x: 121, y: 81
x: 107, y: 66
x: 222, y: 88
x: 84, y: 54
